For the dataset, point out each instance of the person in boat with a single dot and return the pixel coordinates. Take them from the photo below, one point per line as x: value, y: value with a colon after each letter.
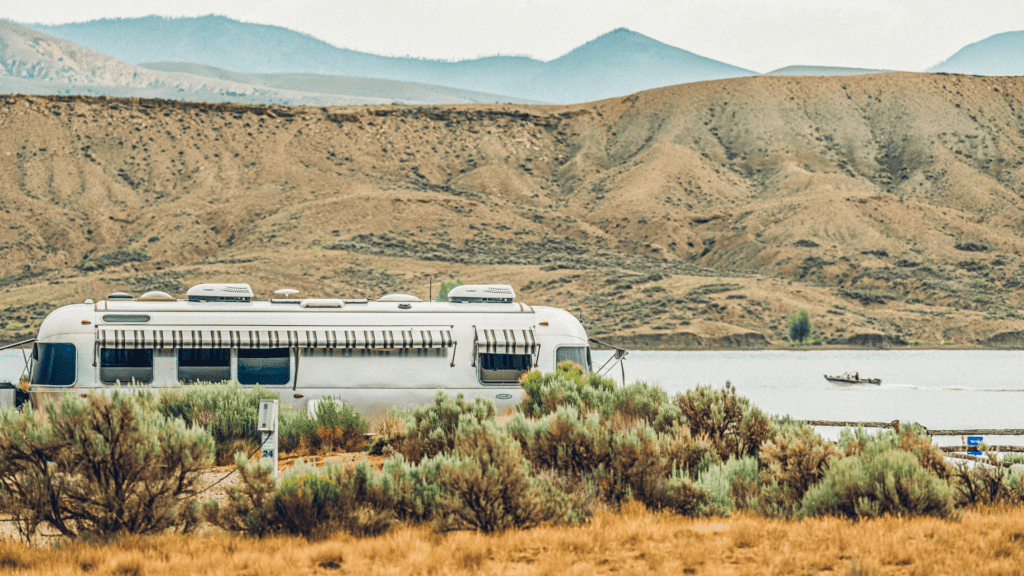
x: 856, y: 375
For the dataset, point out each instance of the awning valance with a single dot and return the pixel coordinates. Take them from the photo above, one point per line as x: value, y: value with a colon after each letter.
x: 506, y: 341
x: 356, y: 338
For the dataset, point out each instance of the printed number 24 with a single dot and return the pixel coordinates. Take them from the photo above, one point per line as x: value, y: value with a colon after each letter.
x: 267, y: 454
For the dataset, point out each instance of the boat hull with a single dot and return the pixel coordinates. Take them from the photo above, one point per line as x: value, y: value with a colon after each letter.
x: 852, y: 381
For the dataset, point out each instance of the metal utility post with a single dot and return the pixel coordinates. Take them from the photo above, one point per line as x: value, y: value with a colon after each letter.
x: 266, y: 425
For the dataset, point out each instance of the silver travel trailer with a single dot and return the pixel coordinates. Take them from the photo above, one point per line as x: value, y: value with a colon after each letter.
x: 372, y: 355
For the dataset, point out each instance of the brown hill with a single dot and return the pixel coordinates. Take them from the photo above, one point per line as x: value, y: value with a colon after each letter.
x: 889, y: 205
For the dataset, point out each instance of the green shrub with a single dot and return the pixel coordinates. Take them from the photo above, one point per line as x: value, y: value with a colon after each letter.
x: 391, y: 432
x: 339, y: 427
x: 1014, y: 458
x: 545, y: 393
x: 568, y: 386
x: 729, y: 485
x: 988, y: 482
x: 415, y: 489
x: 647, y: 403
x: 115, y: 258
x: 310, y: 502
x: 307, y: 503
x: 621, y: 459
x: 793, y: 460
x: 799, y: 326
x: 227, y: 410
x: 433, y: 428
x: 293, y: 426
x: 732, y: 424
x: 910, y: 438
x: 446, y: 287
x: 487, y: 485
x: 101, y: 466
x: 335, y: 427
x: 880, y: 479
x: 678, y: 493
x: 250, y: 507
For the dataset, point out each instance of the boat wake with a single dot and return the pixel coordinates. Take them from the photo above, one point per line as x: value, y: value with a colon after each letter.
x: 949, y: 388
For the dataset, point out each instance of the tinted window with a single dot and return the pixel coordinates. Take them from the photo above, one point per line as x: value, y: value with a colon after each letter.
x: 53, y: 364
x: 126, y: 366
x: 271, y: 366
x: 580, y: 355
x: 503, y: 368
x: 206, y: 365
x: 126, y: 318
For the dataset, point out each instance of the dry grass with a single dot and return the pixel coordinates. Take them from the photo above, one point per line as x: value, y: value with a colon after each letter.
x: 633, y: 541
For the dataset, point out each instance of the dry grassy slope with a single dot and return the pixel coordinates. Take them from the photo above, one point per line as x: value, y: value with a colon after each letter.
x: 889, y: 205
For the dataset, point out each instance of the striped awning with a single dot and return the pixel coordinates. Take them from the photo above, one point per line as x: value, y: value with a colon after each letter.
x: 356, y: 338
x: 506, y: 341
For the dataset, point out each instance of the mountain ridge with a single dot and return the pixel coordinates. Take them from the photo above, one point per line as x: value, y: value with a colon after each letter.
x: 641, y: 62
x: 997, y: 55
x: 34, y: 62
x: 888, y: 205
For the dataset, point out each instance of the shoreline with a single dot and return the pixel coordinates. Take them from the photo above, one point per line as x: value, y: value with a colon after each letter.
x: 811, y: 348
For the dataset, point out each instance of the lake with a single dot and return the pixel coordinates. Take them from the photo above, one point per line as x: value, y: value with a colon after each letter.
x: 937, y: 388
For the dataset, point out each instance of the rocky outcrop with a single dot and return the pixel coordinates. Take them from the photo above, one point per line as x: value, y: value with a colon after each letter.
x: 871, y: 340
x: 1005, y: 341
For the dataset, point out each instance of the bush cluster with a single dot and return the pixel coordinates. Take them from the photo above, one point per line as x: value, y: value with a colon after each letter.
x: 226, y: 410
x: 100, y: 466
x: 229, y: 412
x: 578, y: 444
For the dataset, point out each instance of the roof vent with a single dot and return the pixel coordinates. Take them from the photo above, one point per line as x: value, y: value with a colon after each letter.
x: 399, y: 298
x: 220, y: 293
x: 321, y: 303
x: 156, y: 296
x: 487, y: 293
x: 119, y: 296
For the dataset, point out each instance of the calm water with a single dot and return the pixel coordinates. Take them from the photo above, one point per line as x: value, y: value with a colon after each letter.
x: 939, y: 389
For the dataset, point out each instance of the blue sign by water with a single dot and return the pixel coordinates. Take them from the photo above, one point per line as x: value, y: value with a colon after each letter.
x: 974, y: 441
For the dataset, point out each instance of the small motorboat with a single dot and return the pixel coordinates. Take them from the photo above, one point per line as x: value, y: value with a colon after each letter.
x: 848, y: 379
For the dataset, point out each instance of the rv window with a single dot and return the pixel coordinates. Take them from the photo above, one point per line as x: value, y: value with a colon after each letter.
x: 271, y: 366
x: 53, y: 364
x: 503, y: 368
x: 580, y: 355
x: 204, y: 365
x: 126, y: 366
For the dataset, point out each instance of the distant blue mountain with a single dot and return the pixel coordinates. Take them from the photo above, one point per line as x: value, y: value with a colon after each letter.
x: 823, y: 71
x: 622, y: 62
x: 999, y: 55
x: 618, y: 63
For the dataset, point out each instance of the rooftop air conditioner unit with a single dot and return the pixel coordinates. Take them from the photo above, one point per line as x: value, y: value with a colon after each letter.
x: 220, y: 293
x: 480, y: 294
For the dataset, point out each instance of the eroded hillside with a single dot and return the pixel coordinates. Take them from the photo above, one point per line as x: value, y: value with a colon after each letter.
x: 703, y: 214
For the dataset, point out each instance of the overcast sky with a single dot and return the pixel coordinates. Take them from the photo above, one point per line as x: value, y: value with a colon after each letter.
x: 759, y: 35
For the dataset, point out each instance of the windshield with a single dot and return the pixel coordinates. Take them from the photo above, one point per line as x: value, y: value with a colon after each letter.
x: 578, y: 354
x: 53, y: 364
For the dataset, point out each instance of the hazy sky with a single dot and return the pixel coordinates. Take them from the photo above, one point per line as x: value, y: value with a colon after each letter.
x: 760, y: 35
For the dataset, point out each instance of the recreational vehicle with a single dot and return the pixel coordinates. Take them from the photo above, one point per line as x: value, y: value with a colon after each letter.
x: 397, y: 350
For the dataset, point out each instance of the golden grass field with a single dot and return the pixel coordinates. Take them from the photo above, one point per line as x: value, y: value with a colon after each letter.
x: 633, y: 541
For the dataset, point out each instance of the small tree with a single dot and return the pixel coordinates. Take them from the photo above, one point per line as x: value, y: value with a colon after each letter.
x: 446, y: 286
x: 800, y: 327
x: 104, y: 465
